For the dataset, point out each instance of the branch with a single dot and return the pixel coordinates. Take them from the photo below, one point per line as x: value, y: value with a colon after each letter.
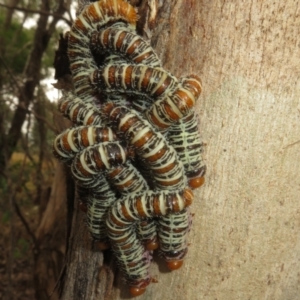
x: 26, y: 225
x: 40, y: 12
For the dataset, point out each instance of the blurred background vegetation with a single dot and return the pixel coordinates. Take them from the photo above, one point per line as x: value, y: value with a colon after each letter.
x: 29, y: 33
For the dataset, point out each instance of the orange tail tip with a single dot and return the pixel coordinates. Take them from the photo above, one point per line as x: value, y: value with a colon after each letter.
x: 139, y: 287
x: 136, y: 291
x: 193, y: 84
x: 152, y: 245
x: 188, y: 196
x: 174, y: 264
x: 196, y: 77
x: 196, y: 182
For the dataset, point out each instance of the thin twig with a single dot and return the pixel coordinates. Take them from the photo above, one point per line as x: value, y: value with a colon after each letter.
x: 49, y: 125
x: 15, y: 204
x: 15, y: 208
x: 26, y: 225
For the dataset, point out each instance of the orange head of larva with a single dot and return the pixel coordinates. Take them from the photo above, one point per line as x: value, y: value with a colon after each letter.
x: 196, y: 182
x: 136, y: 291
x: 152, y: 245
x: 139, y: 287
x: 193, y: 84
x: 174, y: 264
x: 127, y: 11
x: 188, y: 196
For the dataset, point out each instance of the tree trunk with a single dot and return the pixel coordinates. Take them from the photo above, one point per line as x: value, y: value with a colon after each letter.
x: 32, y: 71
x: 49, y: 260
x: 245, y: 235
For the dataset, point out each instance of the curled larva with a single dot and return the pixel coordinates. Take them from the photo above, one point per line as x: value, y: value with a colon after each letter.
x: 120, y: 220
x: 76, y: 139
x: 95, y: 159
x: 94, y: 16
x: 162, y: 161
x: 130, y: 67
x: 140, y: 80
x: 172, y: 99
x: 175, y: 105
x: 126, y: 44
x: 172, y: 110
x: 79, y: 112
x: 150, y: 145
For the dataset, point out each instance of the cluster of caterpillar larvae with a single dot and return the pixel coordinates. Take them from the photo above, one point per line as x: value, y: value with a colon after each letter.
x: 135, y: 149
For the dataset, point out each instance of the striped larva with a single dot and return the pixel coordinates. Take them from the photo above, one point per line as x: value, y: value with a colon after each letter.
x: 79, y: 112
x: 129, y: 47
x: 140, y: 80
x: 95, y: 192
x: 150, y: 145
x: 123, y: 176
x: 169, y: 109
x: 185, y: 138
x: 125, y: 43
x: 172, y: 237
x: 133, y: 208
x: 93, y: 165
x: 95, y: 159
x: 96, y: 196
x: 98, y: 203
x: 94, y: 16
x: 74, y: 140
x: 162, y: 161
x: 172, y: 99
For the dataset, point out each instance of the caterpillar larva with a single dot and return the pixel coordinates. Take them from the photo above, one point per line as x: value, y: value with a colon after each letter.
x: 74, y: 140
x: 125, y: 43
x: 131, y: 209
x: 79, y: 112
x: 150, y: 145
x: 94, y: 16
x: 162, y: 161
x: 185, y: 138
x: 140, y: 80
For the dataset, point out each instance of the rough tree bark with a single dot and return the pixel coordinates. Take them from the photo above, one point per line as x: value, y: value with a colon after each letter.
x: 245, y: 236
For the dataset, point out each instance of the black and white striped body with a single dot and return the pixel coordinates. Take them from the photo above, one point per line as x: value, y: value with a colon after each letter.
x: 185, y: 138
x: 161, y: 159
x: 139, y: 80
x: 67, y: 144
x: 133, y: 208
x: 126, y: 44
x: 150, y: 146
x: 95, y: 15
x: 79, y: 112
